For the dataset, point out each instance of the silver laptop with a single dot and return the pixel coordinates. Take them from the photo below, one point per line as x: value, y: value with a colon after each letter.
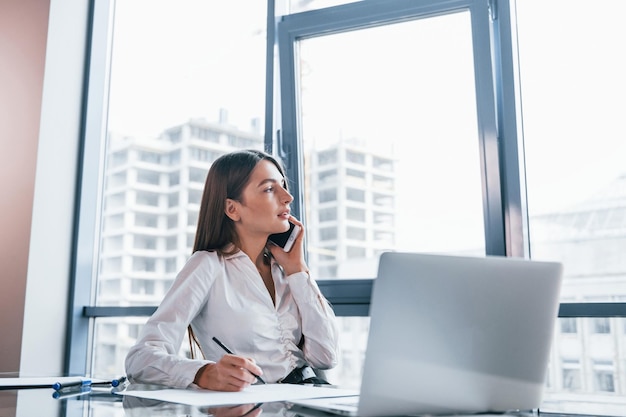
x: 452, y: 334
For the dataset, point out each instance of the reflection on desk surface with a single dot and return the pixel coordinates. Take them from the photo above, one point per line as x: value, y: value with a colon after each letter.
x: 39, y: 402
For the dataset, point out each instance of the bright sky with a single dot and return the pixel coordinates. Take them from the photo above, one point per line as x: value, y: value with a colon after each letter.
x: 415, y: 104
x: 178, y: 59
x: 573, y: 97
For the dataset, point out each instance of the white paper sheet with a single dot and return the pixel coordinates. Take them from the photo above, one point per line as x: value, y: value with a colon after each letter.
x: 251, y: 395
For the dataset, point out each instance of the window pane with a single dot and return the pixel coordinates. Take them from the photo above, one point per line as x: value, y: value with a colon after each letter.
x: 380, y: 149
x: 353, y: 333
x: 180, y: 96
x: 112, y: 340
x: 573, y: 89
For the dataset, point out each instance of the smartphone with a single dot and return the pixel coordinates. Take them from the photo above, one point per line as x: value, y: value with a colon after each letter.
x: 285, y: 240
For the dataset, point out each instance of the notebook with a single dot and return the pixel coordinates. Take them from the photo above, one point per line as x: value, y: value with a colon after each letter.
x: 452, y: 334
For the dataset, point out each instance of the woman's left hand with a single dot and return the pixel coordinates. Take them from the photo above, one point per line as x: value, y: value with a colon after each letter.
x: 292, y: 261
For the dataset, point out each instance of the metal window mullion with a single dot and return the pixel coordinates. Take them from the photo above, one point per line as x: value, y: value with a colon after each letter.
x: 511, y: 150
x: 489, y: 146
x: 89, y: 187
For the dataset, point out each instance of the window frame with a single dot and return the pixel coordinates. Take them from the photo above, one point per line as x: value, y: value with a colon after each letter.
x: 89, y: 188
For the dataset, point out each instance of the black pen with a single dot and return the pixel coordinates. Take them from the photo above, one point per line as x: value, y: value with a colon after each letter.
x: 119, y: 381
x: 113, y: 383
x: 71, y: 391
x: 77, y: 383
x: 216, y: 340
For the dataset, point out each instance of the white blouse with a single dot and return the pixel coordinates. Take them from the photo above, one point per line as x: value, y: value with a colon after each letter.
x: 225, y: 297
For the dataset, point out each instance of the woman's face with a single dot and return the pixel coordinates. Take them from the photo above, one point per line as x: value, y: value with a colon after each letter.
x: 264, y: 205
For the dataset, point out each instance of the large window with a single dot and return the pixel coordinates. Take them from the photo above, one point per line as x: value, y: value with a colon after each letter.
x: 439, y: 126
x: 187, y: 84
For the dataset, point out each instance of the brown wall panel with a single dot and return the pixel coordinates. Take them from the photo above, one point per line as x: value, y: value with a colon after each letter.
x: 23, y: 36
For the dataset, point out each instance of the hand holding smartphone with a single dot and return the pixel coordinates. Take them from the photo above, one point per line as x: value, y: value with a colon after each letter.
x: 285, y: 240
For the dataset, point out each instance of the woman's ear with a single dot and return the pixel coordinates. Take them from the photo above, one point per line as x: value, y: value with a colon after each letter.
x: 231, y: 209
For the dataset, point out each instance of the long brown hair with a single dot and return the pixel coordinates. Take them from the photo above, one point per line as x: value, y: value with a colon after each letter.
x: 227, y: 177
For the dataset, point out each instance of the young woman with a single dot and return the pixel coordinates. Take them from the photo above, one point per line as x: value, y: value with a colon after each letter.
x: 257, y: 300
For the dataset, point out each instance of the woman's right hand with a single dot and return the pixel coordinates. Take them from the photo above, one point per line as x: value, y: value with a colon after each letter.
x: 230, y: 373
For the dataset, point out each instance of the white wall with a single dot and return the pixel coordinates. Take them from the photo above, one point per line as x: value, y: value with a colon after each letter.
x: 53, y: 207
